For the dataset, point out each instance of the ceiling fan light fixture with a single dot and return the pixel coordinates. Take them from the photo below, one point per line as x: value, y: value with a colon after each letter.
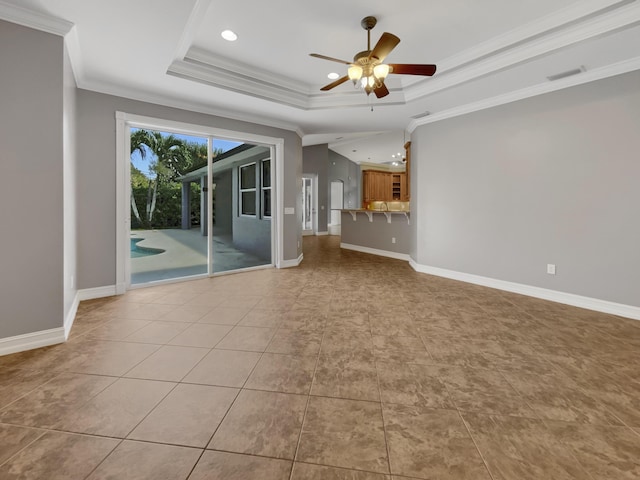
x: 381, y: 71
x: 355, y: 73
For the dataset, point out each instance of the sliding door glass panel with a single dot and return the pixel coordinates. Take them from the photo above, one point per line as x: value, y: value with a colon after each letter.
x: 241, y: 206
x: 168, y: 206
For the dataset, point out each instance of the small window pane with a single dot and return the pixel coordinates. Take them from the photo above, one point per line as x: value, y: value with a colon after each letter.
x: 248, y: 176
x: 248, y: 202
x: 266, y: 202
x: 266, y: 173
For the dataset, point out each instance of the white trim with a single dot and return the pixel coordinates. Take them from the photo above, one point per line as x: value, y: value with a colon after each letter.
x: 320, y: 234
x: 628, y: 311
x: 375, y: 251
x: 252, y: 118
x: 71, y: 315
x: 29, y: 341
x: 123, y: 214
x: 291, y: 263
x: 277, y: 205
x: 531, y: 47
x: 98, y: 292
x: 614, y: 69
x: 126, y: 120
x: 37, y: 20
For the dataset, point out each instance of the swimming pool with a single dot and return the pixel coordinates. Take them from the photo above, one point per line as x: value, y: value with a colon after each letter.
x: 137, y: 251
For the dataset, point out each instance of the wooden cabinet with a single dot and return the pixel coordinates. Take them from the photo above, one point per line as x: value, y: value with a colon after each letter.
x: 384, y: 186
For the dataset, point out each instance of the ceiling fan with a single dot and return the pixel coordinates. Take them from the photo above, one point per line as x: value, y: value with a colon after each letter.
x: 367, y: 67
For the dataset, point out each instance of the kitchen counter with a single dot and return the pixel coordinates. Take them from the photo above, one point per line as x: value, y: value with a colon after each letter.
x: 369, y: 212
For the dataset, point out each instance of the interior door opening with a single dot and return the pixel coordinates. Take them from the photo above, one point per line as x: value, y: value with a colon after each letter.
x: 308, y: 206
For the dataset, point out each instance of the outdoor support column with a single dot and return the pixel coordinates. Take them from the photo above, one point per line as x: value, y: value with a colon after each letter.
x: 204, y: 202
x: 186, y: 205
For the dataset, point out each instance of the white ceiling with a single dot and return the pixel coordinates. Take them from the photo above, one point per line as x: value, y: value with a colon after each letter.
x: 488, y: 53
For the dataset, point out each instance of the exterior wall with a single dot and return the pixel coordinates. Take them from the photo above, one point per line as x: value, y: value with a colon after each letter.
x: 549, y: 180
x: 97, y: 167
x: 31, y: 197
x: 251, y: 234
x: 315, y: 160
x: 224, y: 203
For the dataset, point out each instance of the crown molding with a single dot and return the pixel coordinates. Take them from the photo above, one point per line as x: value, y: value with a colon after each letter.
x: 533, y: 91
x: 244, y: 71
x: 39, y: 21
x: 221, y: 72
x: 578, y: 22
x: 555, y: 20
x: 625, y: 16
x: 197, y: 107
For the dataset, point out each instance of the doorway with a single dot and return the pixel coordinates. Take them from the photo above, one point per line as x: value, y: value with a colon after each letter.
x: 196, y: 203
x: 309, y: 220
x: 337, y: 204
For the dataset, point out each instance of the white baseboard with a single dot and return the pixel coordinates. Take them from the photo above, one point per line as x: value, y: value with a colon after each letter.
x: 71, y: 315
x: 321, y: 234
x: 98, y: 292
x: 604, y: 306
x: 29, y: 341
x: 291, y: 263
x: 375, y: 251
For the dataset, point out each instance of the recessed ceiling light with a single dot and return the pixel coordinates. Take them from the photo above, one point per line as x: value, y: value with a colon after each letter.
x: 393, y: 156
x: 229, y: 36
x: 333, y: 75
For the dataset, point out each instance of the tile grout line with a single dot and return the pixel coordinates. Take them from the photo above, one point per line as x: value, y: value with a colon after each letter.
x: 475, y: 444
x: 306, y: 407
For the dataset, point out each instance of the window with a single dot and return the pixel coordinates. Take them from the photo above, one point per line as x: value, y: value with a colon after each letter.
x: 248, y: 190
x: 266, y: 188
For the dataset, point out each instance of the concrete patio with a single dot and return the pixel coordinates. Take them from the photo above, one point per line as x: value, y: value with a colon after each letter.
x: 185, y: 255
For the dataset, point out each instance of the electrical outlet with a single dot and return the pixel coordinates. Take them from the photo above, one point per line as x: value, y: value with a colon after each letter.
x: 298, y: 243
x: 393, y: 239
x: 551, y: 269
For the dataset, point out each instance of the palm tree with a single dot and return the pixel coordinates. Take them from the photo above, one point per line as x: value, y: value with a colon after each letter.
x: 172, y: 158
x: 137, y: 145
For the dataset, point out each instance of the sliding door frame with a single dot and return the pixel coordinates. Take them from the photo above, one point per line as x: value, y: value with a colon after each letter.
x: 124, y: 123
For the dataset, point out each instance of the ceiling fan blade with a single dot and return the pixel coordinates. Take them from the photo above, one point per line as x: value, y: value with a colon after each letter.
x: 340, y: 81
x: 381, y: 91
x: 387, y: 42
x: 412, y: 69
x: 331, y: 59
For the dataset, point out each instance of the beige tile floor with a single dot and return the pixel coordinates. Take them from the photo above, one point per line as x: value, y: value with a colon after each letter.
x: 350, y: 367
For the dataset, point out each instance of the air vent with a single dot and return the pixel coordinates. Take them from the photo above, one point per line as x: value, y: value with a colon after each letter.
x: 421, y: 115
x: 569, y: 73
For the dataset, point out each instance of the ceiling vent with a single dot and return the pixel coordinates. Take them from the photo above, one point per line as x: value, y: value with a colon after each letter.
x: 568, y: 73
x: 421, y: 115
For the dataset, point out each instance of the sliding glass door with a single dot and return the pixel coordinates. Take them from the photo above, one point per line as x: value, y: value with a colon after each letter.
x: 167, y: 231
x: 184, y: 225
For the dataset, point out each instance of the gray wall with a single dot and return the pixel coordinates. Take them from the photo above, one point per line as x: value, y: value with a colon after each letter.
x: 341, y: 168
x: 377, y: 234
x: 553, y: 179
x: 315, y: 160
x: 251, y: 234
x: 31, y: 197
x: 69, y: 126
x: 97, y: 167
x: 224, y: 203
